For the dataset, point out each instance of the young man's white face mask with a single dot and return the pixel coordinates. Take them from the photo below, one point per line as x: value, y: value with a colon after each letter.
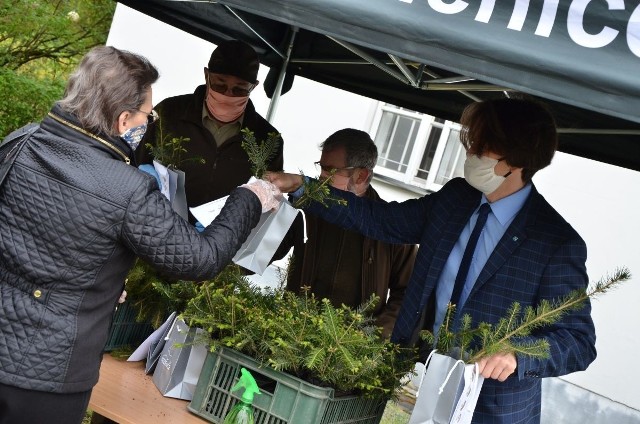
x: 480, y: 173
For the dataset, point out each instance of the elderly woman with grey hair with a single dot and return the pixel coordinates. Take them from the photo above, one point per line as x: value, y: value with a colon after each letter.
x: 74, y: 214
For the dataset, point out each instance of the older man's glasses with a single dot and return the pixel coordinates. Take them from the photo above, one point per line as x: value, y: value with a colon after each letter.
x: 151, y: 116
x: 330, y: 169
x: 236, y: 91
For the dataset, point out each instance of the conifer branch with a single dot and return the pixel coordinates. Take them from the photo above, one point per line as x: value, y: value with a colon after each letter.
x: 260, y: 153
x: 508, y: 334
x: 317, y: 190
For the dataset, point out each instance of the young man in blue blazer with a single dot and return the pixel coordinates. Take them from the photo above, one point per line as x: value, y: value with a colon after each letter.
x: 526, y: 251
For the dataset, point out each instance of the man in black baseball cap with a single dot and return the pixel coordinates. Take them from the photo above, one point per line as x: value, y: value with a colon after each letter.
x: 235, y: 58
x: 231, y: 75
x: 211, y: 119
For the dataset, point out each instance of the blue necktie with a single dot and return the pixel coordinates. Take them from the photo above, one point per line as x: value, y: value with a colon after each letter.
x: 463, y: 271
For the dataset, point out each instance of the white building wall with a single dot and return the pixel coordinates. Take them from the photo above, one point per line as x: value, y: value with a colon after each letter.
x: 600, y: 201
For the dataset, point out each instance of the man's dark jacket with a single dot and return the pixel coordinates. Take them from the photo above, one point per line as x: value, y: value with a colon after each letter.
x: 73, y: 216
x: 226, y: 166
x: 385, y: 267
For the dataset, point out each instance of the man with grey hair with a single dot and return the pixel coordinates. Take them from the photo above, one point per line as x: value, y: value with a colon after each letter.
x: 344, y: 266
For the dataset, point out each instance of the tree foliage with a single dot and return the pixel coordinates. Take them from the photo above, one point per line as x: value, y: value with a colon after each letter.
x: 25, y: 99
x: 41, y: 42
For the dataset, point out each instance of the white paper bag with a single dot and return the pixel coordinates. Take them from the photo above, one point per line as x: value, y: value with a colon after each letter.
x: 178, y: 369
x: 448, y: 393
x: 473, y: 380
x: 157, y: 346
x: 263, y: 241
x: 151, y: 348
x: 172, y: 186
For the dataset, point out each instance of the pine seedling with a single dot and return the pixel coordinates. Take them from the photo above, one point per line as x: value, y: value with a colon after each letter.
x: 512, y: 333
x: 169, y: 150
x: 505, y: 340
x: 260, y: 153
x: 317, y: 191
x: 311, y: 339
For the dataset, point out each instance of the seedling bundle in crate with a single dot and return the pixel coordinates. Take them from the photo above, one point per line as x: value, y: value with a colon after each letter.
x: 305, y: 352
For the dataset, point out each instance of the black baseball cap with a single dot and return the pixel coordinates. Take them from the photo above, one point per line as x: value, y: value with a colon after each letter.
x: 237, y: 58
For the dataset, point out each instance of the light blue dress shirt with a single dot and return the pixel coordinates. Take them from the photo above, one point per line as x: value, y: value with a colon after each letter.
x: 502, y: 214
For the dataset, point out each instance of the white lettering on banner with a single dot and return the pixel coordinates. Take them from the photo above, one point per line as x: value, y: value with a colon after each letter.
x: 576, y: 28
x: 548, y: 17
x: 448, y: 9
x: 633, y: 32
x: 575, y: 19
x: 519, y: 14
x: 485, y: 11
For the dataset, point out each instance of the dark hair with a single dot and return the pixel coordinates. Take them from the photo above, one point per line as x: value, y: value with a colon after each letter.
x: 107, y: 82
x: 361, y: 151
x: 521, y: 130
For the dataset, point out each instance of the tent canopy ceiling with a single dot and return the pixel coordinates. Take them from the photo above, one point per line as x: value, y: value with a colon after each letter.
x: 436, y: 57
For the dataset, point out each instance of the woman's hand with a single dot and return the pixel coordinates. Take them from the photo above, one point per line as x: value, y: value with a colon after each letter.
x: 287, y: 183
x: 268, y: 194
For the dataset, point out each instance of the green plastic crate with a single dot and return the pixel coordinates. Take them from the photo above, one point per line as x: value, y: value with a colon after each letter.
x: 284, y: 399
x: 125, y: 330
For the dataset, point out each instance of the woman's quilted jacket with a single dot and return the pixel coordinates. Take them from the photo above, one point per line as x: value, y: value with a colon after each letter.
x: 73, y: 216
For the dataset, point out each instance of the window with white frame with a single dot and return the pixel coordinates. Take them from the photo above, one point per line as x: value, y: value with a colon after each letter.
x: 416, y: 149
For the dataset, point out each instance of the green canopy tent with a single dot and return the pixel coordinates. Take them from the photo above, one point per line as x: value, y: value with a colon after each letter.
x: 436, y: 56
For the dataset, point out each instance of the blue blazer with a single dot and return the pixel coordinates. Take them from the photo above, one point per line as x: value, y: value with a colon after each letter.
x: 539, y: 257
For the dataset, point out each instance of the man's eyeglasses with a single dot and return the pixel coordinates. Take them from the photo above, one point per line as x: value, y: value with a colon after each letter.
x: 330, y: 169
x: 235, y: 90
x: 151, y: 116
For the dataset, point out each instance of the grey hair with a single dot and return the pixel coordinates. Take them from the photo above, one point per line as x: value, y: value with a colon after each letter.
x: 360, y: 150
x: 107, y: 82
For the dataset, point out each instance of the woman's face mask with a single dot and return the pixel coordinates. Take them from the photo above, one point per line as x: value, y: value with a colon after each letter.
x: 480, y: 174
x: 134, y: 135
x: 225, y: 108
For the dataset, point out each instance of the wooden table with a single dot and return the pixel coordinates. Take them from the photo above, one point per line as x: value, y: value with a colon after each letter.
x: 126, y: 395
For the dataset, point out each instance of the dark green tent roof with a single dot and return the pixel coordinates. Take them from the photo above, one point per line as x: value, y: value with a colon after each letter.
x: 436, y: 57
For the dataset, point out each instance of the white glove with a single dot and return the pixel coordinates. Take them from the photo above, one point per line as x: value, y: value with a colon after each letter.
x: 268, y: 194
x: 123, y: 296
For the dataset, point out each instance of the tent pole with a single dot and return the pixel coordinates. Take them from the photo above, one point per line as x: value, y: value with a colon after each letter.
x: 598, y: 131
x: 375, y: 62
x: 405, y: 70
x: 273, y: 104
x: 250, y: 28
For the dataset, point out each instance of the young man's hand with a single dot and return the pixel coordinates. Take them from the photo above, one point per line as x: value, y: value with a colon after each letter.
x: 498, y: 367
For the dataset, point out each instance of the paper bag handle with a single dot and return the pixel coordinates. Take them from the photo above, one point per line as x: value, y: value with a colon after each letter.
x: 446, y: 380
